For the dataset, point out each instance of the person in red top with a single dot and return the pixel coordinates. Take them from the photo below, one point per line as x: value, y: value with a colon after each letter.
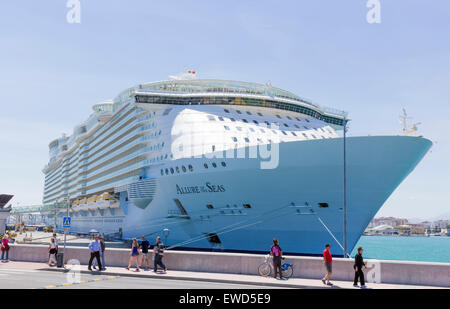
x: 328, y: 260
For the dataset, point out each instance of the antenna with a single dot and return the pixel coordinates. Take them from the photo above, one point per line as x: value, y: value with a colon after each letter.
x: 404, y: 119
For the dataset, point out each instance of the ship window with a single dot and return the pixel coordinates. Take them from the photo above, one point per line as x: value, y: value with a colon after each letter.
x: 191, y: 168
x: 224, y: 164
x: 220, y: 118
x: 167, y: 171
x: 171, y: 170
x: 296, y: 126
x: 267, y: 123
x: 323, y: 205
x: 167, y: 111
x: 259, y: 140
x: 232, y: 119
x: 284, y: 132
x: 245, y: 120
x: 278, y: 116
x: 306, y: 127
x: 248, y: 113
x: 256, y: 122
x: 177, y: 169
x: 205, y: 165
x: 251, y: 129
x: 287, y: 126
x: 159, y: 133
x: 288, y: 117
x: 234, y: 139
x: 162, y: 172
x: 247, y: 206
x: 226, y: 110
x: 214, y: 164
x: 183, y: 168
x: 306, y: 136
x: 260, y: 114
x: 238, y: 111
x: 226, y: 127
x: 307, y: 120
x: 293, y: 133
x: 246, y: 139
x: 313, y: 136
x: 297, y: 118
x: 165, y: 157
x: 209, y: 206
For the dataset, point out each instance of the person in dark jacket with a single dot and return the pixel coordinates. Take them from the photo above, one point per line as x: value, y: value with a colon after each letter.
x: 359, y: 263
x: 276, y: 254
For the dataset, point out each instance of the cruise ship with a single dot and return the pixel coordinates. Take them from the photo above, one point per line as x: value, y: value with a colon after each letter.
x: 223, y: 165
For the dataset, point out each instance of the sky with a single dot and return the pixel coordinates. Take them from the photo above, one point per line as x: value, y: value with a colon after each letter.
x: 52, y: 71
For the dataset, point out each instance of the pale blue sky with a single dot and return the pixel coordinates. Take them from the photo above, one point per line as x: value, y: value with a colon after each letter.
x: 52, y: 72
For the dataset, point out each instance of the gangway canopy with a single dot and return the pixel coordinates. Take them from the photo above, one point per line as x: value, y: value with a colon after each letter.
x: 4, y: 199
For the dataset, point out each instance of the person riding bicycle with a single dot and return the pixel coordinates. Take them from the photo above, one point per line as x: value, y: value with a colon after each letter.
x: 277, y: 254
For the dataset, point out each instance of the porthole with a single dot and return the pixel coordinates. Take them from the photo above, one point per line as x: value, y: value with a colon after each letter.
x: 177, y: 169
x: 205, y: 165
x: 234, y: 139
x: 226, y: 110
x: 190, y: 168
x: 260, y: 114
x: 278, y: 116
x: 256, y: 122
x: 232, y: 119
x: 223, y: 164
x: 183, y: 168
x: 162, y: 172
x: 248, y: 113
x: 247, y: 206
x: 238, y: 111
x: 323, y: 205
x: 214, y: 164
x: 167, y: 171
x: 247, y: 140
x: 209, y: 206
x: 171, y: 170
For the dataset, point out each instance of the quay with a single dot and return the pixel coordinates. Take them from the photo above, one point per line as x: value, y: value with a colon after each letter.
x: 237, y: 268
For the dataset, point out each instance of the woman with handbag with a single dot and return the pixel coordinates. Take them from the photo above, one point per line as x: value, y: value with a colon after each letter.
x: 134, y: 254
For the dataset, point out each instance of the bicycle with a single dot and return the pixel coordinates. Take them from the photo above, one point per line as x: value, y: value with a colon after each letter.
x: 266, y: 268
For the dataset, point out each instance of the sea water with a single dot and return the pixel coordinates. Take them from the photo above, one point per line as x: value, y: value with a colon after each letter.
x: 424, y: 249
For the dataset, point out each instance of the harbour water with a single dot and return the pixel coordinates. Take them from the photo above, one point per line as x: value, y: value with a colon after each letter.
x: 423, y: 249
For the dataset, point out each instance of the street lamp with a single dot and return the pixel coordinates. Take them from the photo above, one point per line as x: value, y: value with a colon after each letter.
x: 166, y: 233
x: 345, y: 188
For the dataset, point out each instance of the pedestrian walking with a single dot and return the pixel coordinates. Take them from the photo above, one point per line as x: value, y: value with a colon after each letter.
x: 5, y: 249
x: 328, y: 260
x: 56, y: 242
x: 145, y: 244
x: 159, y: 253
x: 95, y: 248
x: 276, y: 254
x: 359, y: 263
x: 134, y: 254
x: 102, y: 254
x: 52, y: 252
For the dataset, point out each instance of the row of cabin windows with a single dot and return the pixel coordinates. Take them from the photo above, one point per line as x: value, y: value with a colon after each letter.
x: 260, y: 114
x: 247, y: 206
x: 247, y: 140
x: 212, y: 118
x: 172, y: 170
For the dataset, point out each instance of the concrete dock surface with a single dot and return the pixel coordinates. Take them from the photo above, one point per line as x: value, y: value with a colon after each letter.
x: 15, y: 274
